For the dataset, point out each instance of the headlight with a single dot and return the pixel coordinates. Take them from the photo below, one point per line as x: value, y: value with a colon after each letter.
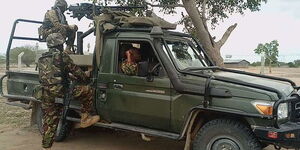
x: 264, y: 107
x: 282, y: 112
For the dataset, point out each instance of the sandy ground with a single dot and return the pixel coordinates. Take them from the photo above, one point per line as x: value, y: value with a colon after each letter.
x: 28, y: 138
x: 16, y: 134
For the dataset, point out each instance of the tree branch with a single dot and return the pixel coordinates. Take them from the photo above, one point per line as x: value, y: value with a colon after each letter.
x: 204, y: 19
x: 174, y: 5
x: 226, y: 35
x: 204, y: 9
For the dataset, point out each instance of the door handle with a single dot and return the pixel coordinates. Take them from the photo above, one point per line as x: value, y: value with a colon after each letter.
x: 118, y: 86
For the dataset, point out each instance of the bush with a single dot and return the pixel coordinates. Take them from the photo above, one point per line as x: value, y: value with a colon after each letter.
x: 28, y: 57
x: 292, y: 65
x: 255, y: 64
x: 2, y: 59
x: 297, y: 63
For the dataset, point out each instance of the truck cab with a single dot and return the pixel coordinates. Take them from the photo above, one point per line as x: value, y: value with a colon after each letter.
x: 177, y: 93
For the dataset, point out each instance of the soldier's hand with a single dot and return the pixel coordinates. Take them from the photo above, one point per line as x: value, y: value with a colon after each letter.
x: 88, y: 73
x: 73, y: 27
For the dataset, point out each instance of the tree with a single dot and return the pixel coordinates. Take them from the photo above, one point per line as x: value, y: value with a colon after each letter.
x: 291, y: 65
x: 270, y: 50
x: 200, y: 14
x: 297, y: 62
x: 28, y: 57
x: 2, y: 59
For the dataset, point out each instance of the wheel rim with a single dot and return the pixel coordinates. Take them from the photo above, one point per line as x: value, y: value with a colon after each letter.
x: 223, y: 143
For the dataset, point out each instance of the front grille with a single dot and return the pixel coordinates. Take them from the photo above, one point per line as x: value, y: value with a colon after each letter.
x: 297, y: 106
x: 295, y: 110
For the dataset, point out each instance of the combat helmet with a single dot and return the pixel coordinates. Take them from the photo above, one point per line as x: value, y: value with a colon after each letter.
x: 62, y: 4
x: 55, y: 39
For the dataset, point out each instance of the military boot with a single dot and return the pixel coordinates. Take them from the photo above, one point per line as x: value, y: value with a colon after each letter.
x: 87, y: 120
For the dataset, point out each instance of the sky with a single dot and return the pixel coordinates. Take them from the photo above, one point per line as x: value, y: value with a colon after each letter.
x: 277, y: 20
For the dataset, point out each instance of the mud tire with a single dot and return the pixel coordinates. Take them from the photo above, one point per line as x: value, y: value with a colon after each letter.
x: 225, y: 133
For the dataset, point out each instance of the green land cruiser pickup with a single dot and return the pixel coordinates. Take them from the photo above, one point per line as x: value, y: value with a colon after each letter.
x: 178, y: 93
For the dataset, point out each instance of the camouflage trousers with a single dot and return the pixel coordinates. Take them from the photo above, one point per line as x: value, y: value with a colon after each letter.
x: 67, y: 33
x: 53, y: 111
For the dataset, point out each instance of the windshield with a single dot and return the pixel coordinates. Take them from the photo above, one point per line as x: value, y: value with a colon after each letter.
x: 184, y: 55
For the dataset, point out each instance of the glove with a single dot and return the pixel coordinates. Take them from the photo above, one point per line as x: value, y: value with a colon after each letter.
x: 73, y: 27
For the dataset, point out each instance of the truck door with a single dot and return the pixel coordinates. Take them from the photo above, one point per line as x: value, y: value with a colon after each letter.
x: 131, y: 99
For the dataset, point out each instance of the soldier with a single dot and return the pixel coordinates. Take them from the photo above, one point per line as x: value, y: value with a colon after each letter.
x: 130, y: 65
x: 54, y: 67
x: 55, y: 22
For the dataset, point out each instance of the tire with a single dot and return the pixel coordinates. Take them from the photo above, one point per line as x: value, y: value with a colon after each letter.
x: 226, y: 134
x: 62, y: 131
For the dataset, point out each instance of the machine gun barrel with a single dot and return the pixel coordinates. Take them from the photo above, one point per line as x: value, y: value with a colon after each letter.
x: 89, y: 10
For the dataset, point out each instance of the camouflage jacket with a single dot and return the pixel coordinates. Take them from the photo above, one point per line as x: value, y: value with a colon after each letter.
x: 51, y: 71
x: 128, y: 68
x: 54, y: 18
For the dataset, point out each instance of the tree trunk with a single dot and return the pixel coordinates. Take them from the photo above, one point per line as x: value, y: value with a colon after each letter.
x: 215, y: 55
x: 203, y: 35
x: 270, y: 66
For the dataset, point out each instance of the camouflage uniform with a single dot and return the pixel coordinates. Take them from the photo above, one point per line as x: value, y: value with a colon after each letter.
x: 55, y: 22
x: 130, y: 66
x: 52, y: 65
x: 130, y: 69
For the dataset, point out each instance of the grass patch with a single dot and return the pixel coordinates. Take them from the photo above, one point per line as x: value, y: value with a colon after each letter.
x: 13, y: 116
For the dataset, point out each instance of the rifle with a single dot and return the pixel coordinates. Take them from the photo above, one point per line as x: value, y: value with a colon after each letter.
x: 89, y: 10
x: 66, y: 102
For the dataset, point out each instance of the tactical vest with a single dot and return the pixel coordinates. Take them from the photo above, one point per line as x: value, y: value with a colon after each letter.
x: 47, y: 24
x: 51, y: 68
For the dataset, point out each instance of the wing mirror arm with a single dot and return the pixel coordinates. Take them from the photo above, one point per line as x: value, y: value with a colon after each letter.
x: 150, y: 77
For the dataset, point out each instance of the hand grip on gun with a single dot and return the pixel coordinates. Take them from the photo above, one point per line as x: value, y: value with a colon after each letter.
x: 73, y: 27
x: 89, y: 72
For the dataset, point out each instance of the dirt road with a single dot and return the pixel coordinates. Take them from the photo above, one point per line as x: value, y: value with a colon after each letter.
x: 16, y: 134
x: 88, y: 139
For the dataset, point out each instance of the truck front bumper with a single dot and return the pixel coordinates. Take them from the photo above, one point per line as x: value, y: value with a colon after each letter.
x: 287, y: 135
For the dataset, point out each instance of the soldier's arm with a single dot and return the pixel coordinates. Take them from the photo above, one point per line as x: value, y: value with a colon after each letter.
x: 73, y: 68
x: 51, y: 14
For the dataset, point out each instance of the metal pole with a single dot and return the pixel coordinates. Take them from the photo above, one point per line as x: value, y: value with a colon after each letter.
x: 262, y: 67
x: 20, y: 60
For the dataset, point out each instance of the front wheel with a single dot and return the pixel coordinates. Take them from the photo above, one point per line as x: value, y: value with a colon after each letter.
x: 62, y: 131
x: 225, y: 134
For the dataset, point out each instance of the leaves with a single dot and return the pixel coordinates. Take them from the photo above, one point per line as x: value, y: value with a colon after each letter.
x: 200, y: 14
x: 270, y: 50
x: 28, y: 57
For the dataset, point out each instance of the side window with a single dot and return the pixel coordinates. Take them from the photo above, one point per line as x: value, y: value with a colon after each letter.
x: 137, y: 58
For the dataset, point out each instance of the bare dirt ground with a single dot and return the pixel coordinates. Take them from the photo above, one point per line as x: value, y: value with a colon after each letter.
x: 17, y: 134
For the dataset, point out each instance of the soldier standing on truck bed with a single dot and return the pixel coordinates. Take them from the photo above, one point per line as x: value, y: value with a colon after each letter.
x: 55, y: 22
x: 54, y: 68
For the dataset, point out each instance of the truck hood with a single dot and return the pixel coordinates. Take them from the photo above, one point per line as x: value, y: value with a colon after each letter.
x: 284, y: 87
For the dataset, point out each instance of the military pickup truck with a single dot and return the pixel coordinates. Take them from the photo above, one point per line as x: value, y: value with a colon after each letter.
x: 178, y: 93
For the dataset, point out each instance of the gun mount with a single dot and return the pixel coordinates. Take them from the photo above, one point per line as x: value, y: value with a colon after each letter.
x: 89, y: 10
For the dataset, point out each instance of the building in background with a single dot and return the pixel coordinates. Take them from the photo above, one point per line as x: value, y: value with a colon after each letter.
x: 236, y: 63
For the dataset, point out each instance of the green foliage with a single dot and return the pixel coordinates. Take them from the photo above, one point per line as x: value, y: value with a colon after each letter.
x: 270, y: 50
x: 222, y: 9
x: 216, y: 10
x: 2, y: 59
x: 255, y: 64
x: 28, y: 57
x: 297, y: 63
x: 291, y: 65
